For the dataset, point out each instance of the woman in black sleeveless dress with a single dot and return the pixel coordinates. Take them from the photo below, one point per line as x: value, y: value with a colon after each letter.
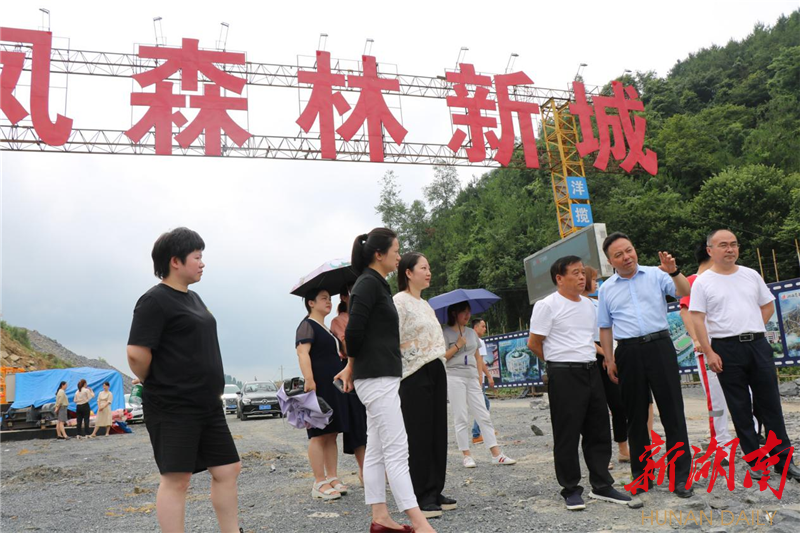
x: 318, y: 354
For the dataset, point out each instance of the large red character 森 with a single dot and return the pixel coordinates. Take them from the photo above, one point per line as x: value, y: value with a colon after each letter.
x: 189, y: 59
x: 621, y: 127
x: 213, y: 119
x: 159, y: 116
x: 473, y: 105
x: 322, y: 101
x: 53, y: 134
x: 372, y: 109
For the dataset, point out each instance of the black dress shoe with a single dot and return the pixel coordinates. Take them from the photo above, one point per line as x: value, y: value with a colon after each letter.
x: 447, y: 504
x: 792, y: 473
x: 681, y: 492
x: 431, y: 510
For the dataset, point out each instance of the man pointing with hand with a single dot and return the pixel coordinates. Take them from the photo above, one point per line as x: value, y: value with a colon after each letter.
x: 633, y: 303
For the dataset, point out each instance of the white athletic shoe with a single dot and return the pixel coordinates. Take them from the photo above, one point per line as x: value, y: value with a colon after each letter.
x: 469, y: 462
x: 502, y: 459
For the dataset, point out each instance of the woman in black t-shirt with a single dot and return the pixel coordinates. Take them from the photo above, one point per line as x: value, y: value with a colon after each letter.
x: 174, y: 351
x: 374, y: 367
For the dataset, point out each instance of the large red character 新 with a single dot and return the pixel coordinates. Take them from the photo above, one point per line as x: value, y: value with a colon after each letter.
x: 624, y: 101
x: 506, y: 106
x: 372, y: 109
x: 159, y: 116
x: 189, y: 59
x: 213, y: 119
x: 474, y: 105
x: 53, y: 134
x: 322, y: 101
x: 662, y: 466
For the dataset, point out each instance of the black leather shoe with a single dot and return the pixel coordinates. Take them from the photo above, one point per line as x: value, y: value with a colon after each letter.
x: 793, y: 472
x: 431, y: 510
x: 447, y: 504
x: 681, y: 492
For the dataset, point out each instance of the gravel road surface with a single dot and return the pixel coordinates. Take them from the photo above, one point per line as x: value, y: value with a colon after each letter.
x: 109, y: 484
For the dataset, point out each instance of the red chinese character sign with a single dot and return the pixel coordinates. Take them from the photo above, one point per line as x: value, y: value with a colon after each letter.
x: 212, y: 118
x: 623, y: 131
x: 474, y: 118
x: 372, y: 109
x: 54, y: 134
x: 183, y: 100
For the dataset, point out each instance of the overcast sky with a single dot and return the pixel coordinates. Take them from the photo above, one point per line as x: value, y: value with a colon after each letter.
x: 77, y: 230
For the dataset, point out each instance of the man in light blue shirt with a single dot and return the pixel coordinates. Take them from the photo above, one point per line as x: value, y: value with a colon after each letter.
x: 633, y: 303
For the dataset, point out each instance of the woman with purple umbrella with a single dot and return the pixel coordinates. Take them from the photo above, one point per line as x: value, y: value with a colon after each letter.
x: 463, y: 387
x: 318, y: 354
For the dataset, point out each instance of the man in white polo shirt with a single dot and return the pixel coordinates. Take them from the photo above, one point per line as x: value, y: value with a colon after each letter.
x: 730, y: 306
x: 562, y: 334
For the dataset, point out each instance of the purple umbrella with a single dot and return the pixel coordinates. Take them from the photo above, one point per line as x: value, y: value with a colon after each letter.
x: 479, y: 301
x: 331, y: 276
x: 304, y: 410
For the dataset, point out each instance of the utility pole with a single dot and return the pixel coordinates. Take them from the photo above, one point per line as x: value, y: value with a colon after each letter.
x: 281, y: 373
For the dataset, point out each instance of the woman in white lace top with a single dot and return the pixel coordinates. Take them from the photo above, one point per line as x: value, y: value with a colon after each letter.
x: 423, y: 389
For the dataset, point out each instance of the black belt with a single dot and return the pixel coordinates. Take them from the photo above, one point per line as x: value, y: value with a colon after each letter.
x: 663, y: 334
x: 744, y: 337
x: 570, y: 364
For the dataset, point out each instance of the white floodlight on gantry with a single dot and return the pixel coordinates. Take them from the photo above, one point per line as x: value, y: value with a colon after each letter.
x: 511, y: 60
x: 223, y: 36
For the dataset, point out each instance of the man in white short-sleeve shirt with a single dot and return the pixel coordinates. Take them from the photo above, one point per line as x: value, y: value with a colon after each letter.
x: 730, y: 306
x: 562, y: 334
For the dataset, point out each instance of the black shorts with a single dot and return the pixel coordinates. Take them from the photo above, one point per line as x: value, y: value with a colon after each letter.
x: 191, y: 443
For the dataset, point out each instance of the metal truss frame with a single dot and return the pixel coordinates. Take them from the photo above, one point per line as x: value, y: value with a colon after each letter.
x: 88, y: 141
x: 22, y: 137
x: 84, y: 62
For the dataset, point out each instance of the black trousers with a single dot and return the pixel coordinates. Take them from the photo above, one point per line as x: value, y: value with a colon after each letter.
x: 619, y: 422
x: 82, y: 419
x: 578, y: 413
x: 750, y: 364
x: 423, y: 399
x: 643, y: 367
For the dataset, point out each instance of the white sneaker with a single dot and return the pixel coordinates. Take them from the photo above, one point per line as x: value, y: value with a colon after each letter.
x: 469, y: 462
x: 502, y: 459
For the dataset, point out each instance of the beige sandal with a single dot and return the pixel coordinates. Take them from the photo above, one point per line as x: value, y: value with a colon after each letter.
x: 330, y: 494
x: 338, y: 486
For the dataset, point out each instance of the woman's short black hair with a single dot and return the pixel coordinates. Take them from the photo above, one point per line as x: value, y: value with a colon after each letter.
x: 179, y: 243
x: 106, y: 383
x: 365, y: 246
x: 407, y: 262
x: 454, y: 310
x: 310, y: 296
x: 559, y: 268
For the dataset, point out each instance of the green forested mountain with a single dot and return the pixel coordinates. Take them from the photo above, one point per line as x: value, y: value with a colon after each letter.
x: 725, y: 123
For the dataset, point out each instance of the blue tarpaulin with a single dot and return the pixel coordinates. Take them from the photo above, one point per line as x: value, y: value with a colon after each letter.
x: 40, y: 387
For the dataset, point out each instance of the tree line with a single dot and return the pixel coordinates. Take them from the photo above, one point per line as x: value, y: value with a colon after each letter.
x: 725, y: 123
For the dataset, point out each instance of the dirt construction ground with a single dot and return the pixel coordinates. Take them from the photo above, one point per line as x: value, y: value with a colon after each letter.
x: 109, y: 485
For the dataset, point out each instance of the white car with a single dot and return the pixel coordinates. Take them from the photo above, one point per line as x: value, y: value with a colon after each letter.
x: 230, y: 398
x: 135, y: 409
